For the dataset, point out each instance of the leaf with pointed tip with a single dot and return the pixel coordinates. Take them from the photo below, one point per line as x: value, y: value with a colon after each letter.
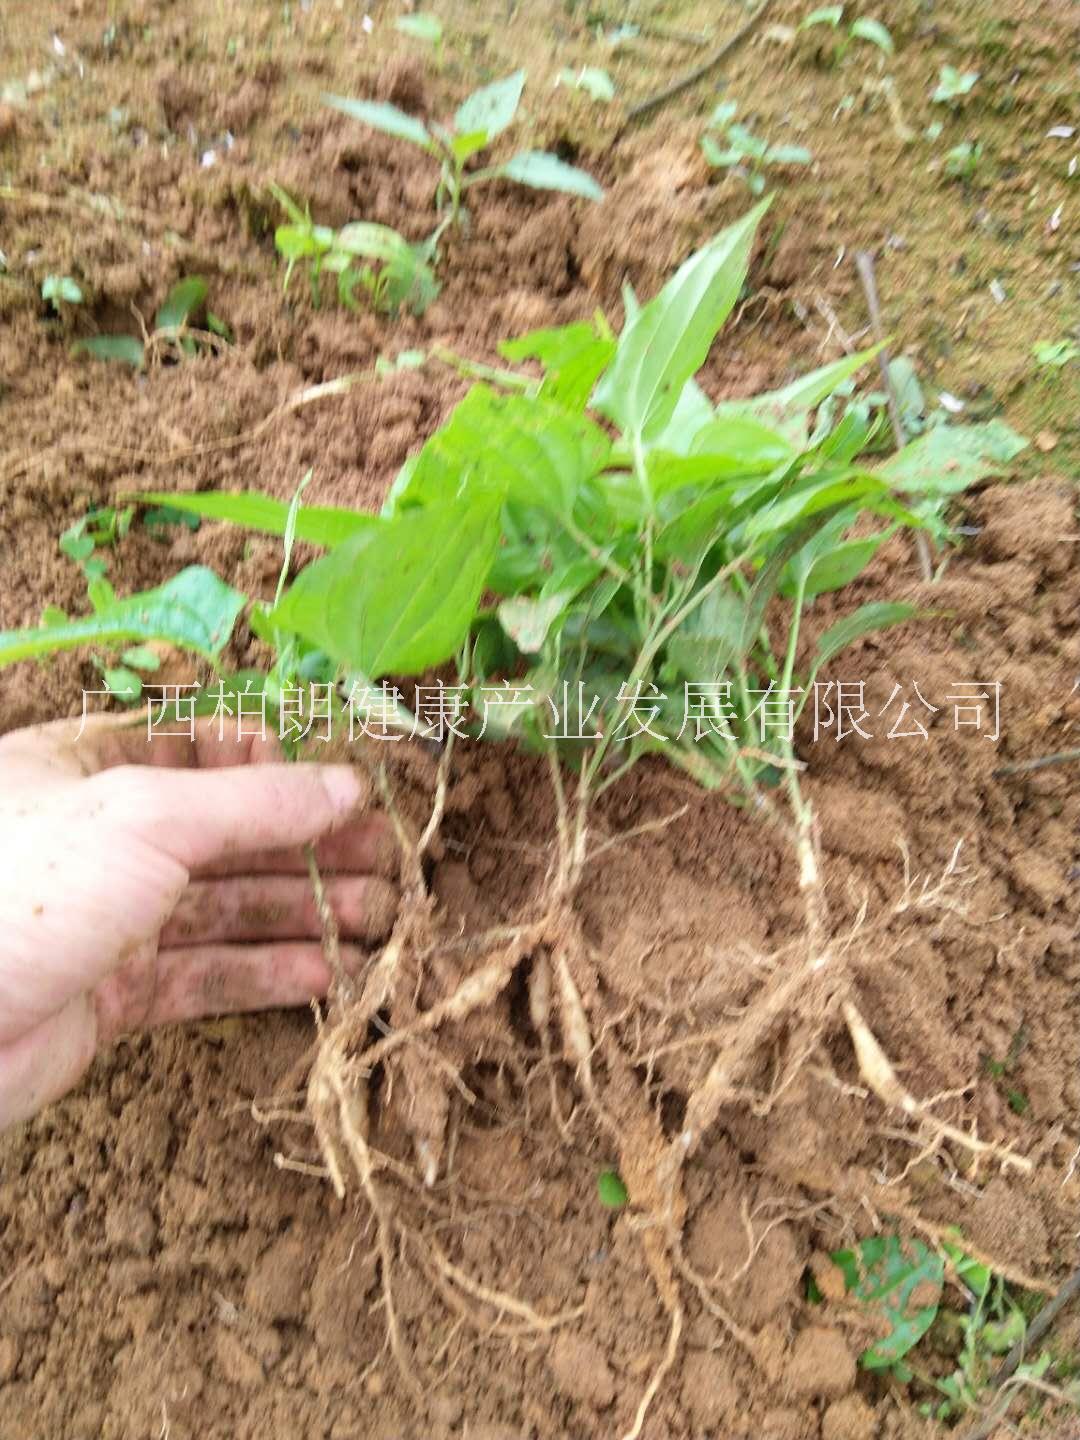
x: 668, y: 340
x: 320, y: 524
x: 491, y: 108
x: 547, y: 172
x: 383, y: 116
x: 952, y: 457
x: 181, y: 303
x: 787, y: 410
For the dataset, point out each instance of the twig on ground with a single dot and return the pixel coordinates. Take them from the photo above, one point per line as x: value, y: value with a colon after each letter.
x: 692, y: 77
x: 864, y: 264
x: 1041, y: 762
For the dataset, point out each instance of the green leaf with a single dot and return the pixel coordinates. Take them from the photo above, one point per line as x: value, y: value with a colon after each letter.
x: 670, y: 337
x: 462, y: 146
x: 518, y: 447
x: 194, y: 609
x: 868, y: 619
x: 547, y: 172
x: 866, y: 28
x: 843, y: 563
x: 787, y: 410
x: 421, y: 27
x: 123, y: 348
x: 573, y: 357
x: 381, y: 115
x: 182, y: 301
x: 75, y: 543
x: 527, y: 621
x: 374, y: 242
x: 320, y: 524
x: 611, y: 1190
x: 723, y: 115
x: 952, y: 457
x: 743, y: 443
x: 57, y: 288
x: 710, y: 637
x: 141, y: 657
x: 398, y: 597
x: 886, y: 1273
x: 788, y: 155
x: 976, y: 1276
x: 826, y: 15
x: 492, y: 108
x: 596, y: 83
x: 124, y: 684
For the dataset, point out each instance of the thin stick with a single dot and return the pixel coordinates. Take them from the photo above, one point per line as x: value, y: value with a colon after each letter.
x: 1020, y: 767
x: 1038, y: 1328
x: 864, y: 263
x: 692, y: 77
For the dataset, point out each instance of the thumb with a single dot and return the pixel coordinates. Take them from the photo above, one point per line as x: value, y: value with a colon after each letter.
x: 201, y: 817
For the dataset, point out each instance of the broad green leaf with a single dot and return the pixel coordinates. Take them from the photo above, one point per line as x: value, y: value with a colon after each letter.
x: 787, y: 410
x: 75, y: 543
x: 744, y: 443
x: 55, y: 288
x: 976, y: 1276
x: 123, y: 683
x: 815, y: 493
x: 123, y: 348
x: 320, y: 524
x: 462, y: 146
x: 888, y: 1274
x: 693, y: 410
x: 374, y: 242
x: 720, y: 155
x: 724, y: 113
x: 381, y: 115
x: 710, y: 637
x: 670, y: 337
x: 398, y: 597
x: 421, y: 27
x: 952, y: 457
x: 182, y: 301
x: 547, y: 172
x: 843, y: 563
x: 866, y: 28
x: 573, y: 357
x: 528, y: 621
x: 195, y: 609
x: 868, y: 619
x: 743, y: 140
x: 768, y: 578
x: 524, y: 449
x: 297, y: 242
x: 491, y: 108
x: 696, y: 528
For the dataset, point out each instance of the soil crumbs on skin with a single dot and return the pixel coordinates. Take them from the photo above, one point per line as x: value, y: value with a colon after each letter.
x: 158, y: 1274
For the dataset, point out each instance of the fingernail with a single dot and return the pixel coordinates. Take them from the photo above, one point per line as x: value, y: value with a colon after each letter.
x: 345, y: 789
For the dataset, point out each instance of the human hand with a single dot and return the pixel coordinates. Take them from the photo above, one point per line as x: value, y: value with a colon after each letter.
x: 147, y: 882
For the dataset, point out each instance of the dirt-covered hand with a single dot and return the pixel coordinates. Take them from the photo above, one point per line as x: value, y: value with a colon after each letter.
x: 144, y: 882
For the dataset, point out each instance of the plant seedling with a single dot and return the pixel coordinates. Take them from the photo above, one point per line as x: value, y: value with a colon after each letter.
x: 59, y: 290
x: 953, y: 85
x: 611, y: 567
x: 962, y: 161
x: 372, y: 258
x: 427, y: 28
x: 477, y: 122
x: 175, y: 335
x: 873, y: 32
x: 744, y: 153
x: 1055, y: 354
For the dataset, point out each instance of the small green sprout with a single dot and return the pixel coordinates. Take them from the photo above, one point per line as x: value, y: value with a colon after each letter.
x: 175, y: 335
x: 372, y: 258
x: 476, y: 123
x: 962, y: 161
x: 873, y: 32
x: 57, y: 290
x: 427, y: 28
x: 953, y: 85
x: 611, y: 1190
x: 744, y: 153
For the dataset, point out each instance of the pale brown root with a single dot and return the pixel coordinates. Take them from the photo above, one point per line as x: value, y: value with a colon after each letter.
x: 878, y: 1073
x: 660, y: 1264
x: 497, y: 1299
x: 709, y: 1300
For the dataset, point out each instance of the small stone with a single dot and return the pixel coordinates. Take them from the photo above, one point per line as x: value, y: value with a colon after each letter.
x: 1046, y: 441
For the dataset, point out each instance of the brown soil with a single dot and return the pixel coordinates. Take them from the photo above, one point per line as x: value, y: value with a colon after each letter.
x: 158, y: 1275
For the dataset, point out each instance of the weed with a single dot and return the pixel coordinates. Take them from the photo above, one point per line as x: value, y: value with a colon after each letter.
x: 744, y: 153
x: 372, y: 258
x: 175, y: 335
x: 1055, y: 354
x: 611, y: 1190
x: 962, y: 161
x: 953, y: 85
x: 59, y: 290
x: 477, y: 122
x: 871, y: 31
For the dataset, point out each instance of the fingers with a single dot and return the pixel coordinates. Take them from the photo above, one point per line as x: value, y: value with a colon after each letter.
x: 203, y: 817
x: 45, y: 1062
x: 256, y: 907
x: 360, y: 847
x: 192, y: 983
